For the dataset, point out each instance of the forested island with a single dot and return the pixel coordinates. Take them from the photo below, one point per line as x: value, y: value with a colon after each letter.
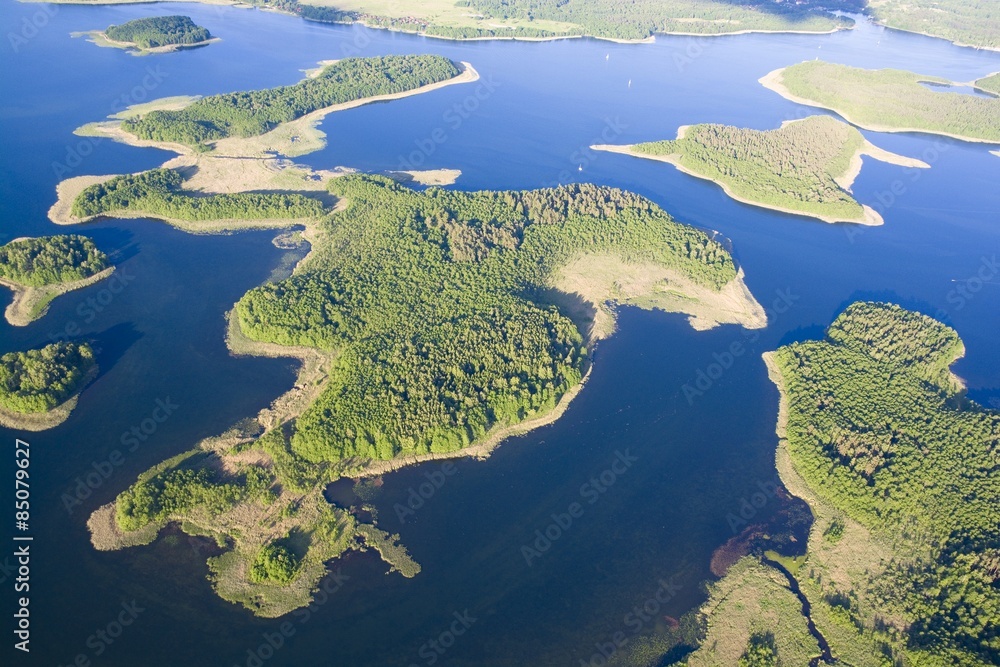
x: 156, y: 34
x: 38, y: 270
x: 228, y: 174
x: 889, y: 100
x: 252, y: 113
x: 805, y: 167
x: 899, y: 469
x: 430, y: 324
x: 38, y: 388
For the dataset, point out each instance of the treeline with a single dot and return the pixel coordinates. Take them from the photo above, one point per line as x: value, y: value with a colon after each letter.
x: 990, y: 84
x: 157, y: 31
x: 423, y: 297
x: 39, y: 380
x: 894, y: 99
x: 250, y: 113
x: 640, y: 19
x: 175, y: 492
x: 969, y: 22
x: 881, y: 432
x: 792, y: 167
x: 158, y: 193
x: 51, y: 260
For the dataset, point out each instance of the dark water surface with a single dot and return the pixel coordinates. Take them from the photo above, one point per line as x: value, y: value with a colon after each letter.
x: 526, y: 124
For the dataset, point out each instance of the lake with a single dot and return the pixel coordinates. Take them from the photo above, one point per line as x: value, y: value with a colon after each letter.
x: 526, y: 124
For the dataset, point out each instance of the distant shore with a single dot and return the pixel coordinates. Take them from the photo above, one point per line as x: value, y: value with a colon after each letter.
x: 775, y: 81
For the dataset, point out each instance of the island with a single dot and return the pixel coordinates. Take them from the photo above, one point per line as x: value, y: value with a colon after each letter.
x: 429, y: 324
x: 889, y: 100
x: 39, y: 388
x: 806, y: 167
x: 156, y: 34
x: 38, y: 270
x: 899, y: 468
x: 232, y: 170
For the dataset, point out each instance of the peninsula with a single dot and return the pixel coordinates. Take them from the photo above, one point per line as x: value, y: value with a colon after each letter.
x: 156, y: 34
x: 39, y: 388
x: 806, y: 167
x: 424, y: 332
x: 989, y: 84
x: 898, y: 467
x: 889, y: 100
x: 38, y: 270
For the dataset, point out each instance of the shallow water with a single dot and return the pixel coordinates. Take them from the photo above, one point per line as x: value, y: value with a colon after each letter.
x: 162, y: 336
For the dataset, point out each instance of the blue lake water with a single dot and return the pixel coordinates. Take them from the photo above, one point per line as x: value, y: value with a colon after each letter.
x: 526, y: 124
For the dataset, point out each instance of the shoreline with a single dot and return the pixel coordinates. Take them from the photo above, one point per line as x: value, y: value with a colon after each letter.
x: 101, y: 39
x: 870, y: 217
x: 236, y: 164
x: 773, y: 81
x: 43, y: 421
x: 28, y: 299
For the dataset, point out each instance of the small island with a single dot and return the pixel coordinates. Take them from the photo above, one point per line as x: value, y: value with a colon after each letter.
x: 39, y: 388
x: 429, y: 324
x: 156, y: 34
x: 806, y: 167
x: 889, y: 100
x: 38, y: 270
x: 902, y: 564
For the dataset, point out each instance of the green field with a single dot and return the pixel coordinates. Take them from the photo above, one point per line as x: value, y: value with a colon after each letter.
x: 893, y: 100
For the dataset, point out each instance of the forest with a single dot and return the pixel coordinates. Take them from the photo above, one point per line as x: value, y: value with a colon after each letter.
x: 880, y: 430
x: 970, y: 22
x: 50, y: 260
x: 158, y: 193
x: 643, y: 18
x: 990, y: 84
x: 891, y: 99
x: 424, y: 298
x: 251, y: 113
x: 793, y: 167
x: 156, y: 31
x: 39, y: 380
